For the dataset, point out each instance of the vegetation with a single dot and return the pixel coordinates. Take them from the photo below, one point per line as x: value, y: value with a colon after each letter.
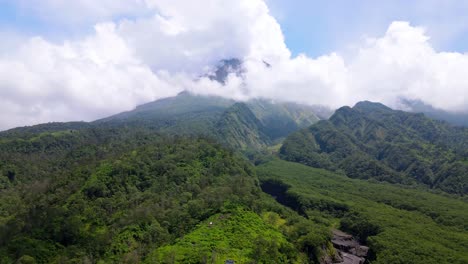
x: 237, y: 235
x: 67, y: 198
x: 245, y: 126
x: 121, y: 195
x: 372, y: 141
x: 401, y: 225
x: 158, y: 185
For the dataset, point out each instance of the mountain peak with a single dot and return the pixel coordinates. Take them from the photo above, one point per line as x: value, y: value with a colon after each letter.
x: 368, y: 106
x: 226, y: 67
x: 184, y: 93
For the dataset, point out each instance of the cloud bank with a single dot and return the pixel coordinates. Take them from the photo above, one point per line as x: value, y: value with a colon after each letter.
x: 161, y: 47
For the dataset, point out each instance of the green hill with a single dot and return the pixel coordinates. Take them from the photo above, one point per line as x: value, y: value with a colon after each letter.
x: 237, y: 235
x: 372, y: 141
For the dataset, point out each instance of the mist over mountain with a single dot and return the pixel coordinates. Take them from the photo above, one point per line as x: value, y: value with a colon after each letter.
x: 455, y: 118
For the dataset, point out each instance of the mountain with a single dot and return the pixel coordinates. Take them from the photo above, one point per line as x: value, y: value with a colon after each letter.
x: 372, y: 141
x: 188, y: 114
x: 241, y: 129
x: 170, y: 182
x: 455, y: 118
x: 226, y: 67
x: 252, y: 124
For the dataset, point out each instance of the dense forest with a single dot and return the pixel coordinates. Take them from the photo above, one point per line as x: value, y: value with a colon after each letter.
x: 194, y: 179
x: 372, y: 141
x: 117, y: 195
x: 401, y: 225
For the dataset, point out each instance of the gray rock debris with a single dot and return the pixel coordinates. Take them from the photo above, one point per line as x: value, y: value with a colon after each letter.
x: 348, y: 249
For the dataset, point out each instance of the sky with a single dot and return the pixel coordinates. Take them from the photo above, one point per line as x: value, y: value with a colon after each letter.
x: 85, y: 59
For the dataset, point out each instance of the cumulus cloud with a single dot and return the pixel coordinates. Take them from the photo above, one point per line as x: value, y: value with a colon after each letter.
x: 133, y: 60
x: 91, y: 78
x: 399, y: 65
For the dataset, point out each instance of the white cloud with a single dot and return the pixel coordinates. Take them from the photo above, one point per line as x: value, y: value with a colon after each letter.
x: 92, y: 78
x: 136, y: 60
x: 190, y: 35
x: 401, y: 64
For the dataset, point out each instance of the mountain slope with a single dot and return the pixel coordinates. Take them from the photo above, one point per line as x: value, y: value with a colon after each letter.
x: 127, y: 194
x: 110, y: 195
x: 280, y: 119
x: 238, y: 235
x: 371, y: 140
x: 245, y: 125
x: 240, y: 129
x: 182, y: 104
x: 400, y: 225
x: 188, y: 114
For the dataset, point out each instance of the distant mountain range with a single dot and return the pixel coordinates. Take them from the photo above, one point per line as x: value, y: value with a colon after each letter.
x: 455, y: 118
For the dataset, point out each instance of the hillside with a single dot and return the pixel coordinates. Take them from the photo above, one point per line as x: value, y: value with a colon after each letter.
x: 400, y: 225
x: 128, y: 195
x: 254, y: 124
x: 265, y: 122
x: 111, y: 195
x: 167, y: 183
x: 237, y: 235
x: 372, y: 141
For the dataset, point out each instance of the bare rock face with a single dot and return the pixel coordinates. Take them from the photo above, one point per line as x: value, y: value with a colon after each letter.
x: 348, y: 249
x: 351, y: 259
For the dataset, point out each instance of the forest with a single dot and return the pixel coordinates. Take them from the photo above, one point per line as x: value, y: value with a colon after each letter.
x: 150, y: 187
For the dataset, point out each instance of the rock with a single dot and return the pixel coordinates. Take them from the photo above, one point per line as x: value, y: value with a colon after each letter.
x: 352, y: 259
x: 349, y: 249
x: 360, y: 251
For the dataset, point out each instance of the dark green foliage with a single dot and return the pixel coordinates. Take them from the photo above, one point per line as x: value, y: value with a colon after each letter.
x: 112, y: 195
x: 372, y: 141
x: 280, y: 119
x: 400, y: 225
x: 117, y: 191
x: 244, y: 126
x: 241, y: 129
x: 359, y: 225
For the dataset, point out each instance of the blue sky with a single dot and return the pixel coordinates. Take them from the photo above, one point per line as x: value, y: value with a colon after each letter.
x: 318, y: 27
x: 311, y: 27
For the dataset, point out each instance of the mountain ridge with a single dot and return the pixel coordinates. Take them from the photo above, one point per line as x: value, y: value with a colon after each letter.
x: 373, y: 141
